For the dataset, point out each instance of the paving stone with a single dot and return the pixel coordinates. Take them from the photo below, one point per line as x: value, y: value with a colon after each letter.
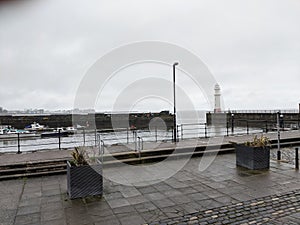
x: 30, y: 202
x: 180, y: 199
x: 112, y: 196
x: 97, y: 206
x: 55, y: 221
x: 162, y: 187
x: 26, y: 210
x: 145, y: 207
x: 7, y: 216
x: 163, y: 203
x: 154, y: 196
x: 153, y: 215
x: 187, y: 190
x: 52, y: 206
x: 130, y: 192
x: 197, y: 196
x: 51, y: 192
x: 109, y: 221
x: 132, y: 219
x: 49, y: 199
x: 172, y: 193
x: 52, y: 215
x: 147, y: 190
x: 28, y: 219
x: 124, y: 210
x: 137, y: 199
x: 115, y: 203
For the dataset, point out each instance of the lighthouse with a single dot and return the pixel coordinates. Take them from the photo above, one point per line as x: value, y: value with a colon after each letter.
x: 217, y: 98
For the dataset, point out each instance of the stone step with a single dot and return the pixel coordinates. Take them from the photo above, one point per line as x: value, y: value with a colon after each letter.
x: 33, y: 163
x: 31, y: 169
x: 36, y: 174
x: 163, y: 151
x: 161, y: 157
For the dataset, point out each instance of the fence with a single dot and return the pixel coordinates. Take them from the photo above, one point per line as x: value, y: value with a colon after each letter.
x: 118, y: 136
x: 285, y: 111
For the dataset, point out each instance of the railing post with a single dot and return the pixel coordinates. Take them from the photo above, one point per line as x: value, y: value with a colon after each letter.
x: 278, y: 137
x: 140, y: 146
x: 227, y: 128
x: 247, y: 127
x: 127, y: 135
x: 177, y: 135
x: 232, y: 123
x: 83, y: 136
x: 19, y: 146
x: 95, y: 137
x: 59, y: 141
x: 172, y: 133
x: 135, y: 139
x: 205, y: 130
x: 297, y: 158
x: 266, y: 126
x: 101, y: 147
x: 181, y: 131
x: 155, y: 134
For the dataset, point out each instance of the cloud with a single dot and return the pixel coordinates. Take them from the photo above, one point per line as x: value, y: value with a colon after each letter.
x: 252, y: 47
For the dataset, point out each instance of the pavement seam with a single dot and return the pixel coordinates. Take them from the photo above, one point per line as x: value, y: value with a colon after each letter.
x: 24, y: 183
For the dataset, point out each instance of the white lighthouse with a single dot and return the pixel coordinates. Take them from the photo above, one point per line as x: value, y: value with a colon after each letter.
x: 217, y: 98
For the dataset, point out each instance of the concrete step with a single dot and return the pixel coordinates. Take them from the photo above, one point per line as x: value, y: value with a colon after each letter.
x: 36, y: 174
x: 161, y: 157
x: 163, y: 151
x: 33, y: 163
x: 31, y: 169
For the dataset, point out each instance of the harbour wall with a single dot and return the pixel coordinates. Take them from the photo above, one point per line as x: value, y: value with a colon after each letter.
x: 92, y: 121
x: 250, y: 119
x: 142, y: 120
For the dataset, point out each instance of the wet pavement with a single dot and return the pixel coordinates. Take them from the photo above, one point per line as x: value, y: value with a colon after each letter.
x: 219, y: 194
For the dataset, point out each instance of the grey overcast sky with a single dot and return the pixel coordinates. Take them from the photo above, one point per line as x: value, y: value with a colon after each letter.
x: 252, y: 47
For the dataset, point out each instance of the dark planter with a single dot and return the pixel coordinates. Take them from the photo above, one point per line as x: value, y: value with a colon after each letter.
x: 83, y: 181
x: 253, y: 158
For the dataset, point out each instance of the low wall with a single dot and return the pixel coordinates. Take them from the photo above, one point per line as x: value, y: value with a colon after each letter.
x: 102, y: 121
x: 256, y: 119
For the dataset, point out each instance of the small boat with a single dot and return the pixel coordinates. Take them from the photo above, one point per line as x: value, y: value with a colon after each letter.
x: 8, y: 133
x: 71, y: 130
x: 37, y: 127
x: 55, y: 133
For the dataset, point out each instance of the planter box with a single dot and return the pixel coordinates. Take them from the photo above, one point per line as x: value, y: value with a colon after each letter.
x: 83, y: 181
x: 253, y: 158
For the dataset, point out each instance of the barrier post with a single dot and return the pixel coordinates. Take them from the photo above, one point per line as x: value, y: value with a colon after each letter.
x: 297, y: 158
x: 19, y: 146
x: 59, y: 141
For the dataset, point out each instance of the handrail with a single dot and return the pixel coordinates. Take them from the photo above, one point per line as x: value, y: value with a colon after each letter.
x: 184, y: 132
x: 101, y: 147
x: 140, y: 146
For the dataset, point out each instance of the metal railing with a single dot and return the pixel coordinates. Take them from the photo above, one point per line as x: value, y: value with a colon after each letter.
x: 285, y: 111
x: 138, y: 137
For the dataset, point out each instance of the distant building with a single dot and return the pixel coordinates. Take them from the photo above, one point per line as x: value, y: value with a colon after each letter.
x: 217, y: 99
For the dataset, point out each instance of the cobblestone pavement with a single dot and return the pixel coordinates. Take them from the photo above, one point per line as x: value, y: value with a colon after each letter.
x: 274, y: 209
x: 189, y: 193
